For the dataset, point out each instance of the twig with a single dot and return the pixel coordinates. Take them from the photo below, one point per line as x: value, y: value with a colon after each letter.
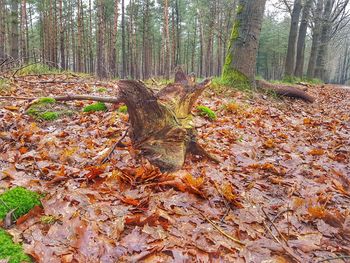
x: 31, y: 64
x: 220, y: 229
x: 286, y: 248
x: 335, y: 258
x: 118, y: 143
x: 281, y: 213
x: 273, y: 224
x: 69, y: 98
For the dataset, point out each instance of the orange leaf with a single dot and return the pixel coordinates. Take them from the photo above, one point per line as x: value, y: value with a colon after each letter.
x: 269, y: 144
x: 23, y: 150
x: 316, y: 211
x: 95, y: 171
x: 12, y: 108
x: 36, y: 210
x: 316, y: 152
x: 229, y: 194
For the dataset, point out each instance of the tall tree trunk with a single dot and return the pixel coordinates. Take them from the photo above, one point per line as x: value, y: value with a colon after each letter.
x: 101, y: 65
x: 2, y: 30
x: 240, y: 64
x: 113, y: 58
x: 166, y: 40
x: 315, y: 40
x: 14, y: 39
x: 62, y: 49
x: 23, y: 36
x: 299, y: 64
x: 123, y: 73
x: 293, y: 34
x: 80, y: 37
x: 320, y: 71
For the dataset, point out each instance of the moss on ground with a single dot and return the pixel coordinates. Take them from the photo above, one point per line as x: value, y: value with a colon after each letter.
x: 48, y: 109
x: 206, y: 112
x: 99, y: 106
x: 123, y: 109
x: 10, y: 251
x: 20, y: 199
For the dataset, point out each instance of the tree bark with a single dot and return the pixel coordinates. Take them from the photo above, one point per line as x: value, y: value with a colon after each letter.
x: 240, y: 64
x: 320, y: 71
x: 2, y: 31
x: 14, y: 43
x: 299, y: 64
x: 113, y: 64
x: 293, y: 34
x: 101, y: 61
x: 166, y: 54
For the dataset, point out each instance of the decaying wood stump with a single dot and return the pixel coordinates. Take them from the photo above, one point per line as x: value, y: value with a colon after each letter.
x: 162, y: 124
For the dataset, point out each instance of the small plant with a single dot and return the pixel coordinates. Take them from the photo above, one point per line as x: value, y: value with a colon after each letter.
x: 37, y: 69
x: 101, y: 90
x: 206, y: 112
x: 46, y: 100
x: 49, y: 115
x: 48, y: 220
x: 9, y: 251
x: 99, y: 106
x: 123, y: 109
x: 20, y: 199
x: 232, y: 107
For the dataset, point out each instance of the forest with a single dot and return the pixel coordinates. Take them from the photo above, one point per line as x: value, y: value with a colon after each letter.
x: 175, y: 131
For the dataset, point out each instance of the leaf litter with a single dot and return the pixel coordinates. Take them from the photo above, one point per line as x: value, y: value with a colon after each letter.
x: 280, y: 194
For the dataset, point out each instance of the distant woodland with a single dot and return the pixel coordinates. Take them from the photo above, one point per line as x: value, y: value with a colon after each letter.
x: 147, y: 38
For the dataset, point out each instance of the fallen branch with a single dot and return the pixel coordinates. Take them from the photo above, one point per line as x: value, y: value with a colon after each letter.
x: 68, y: 98
x: 285, y: 90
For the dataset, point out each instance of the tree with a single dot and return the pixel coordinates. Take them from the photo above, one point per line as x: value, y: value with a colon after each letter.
x: 14, y: 39
x: 101, y: 61
x: 240, y: 64
x: 293, y: 34
x: 299, y: 64
x: 2, y: 30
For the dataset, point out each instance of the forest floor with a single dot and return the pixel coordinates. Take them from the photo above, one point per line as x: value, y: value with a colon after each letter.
x: 280, y: 194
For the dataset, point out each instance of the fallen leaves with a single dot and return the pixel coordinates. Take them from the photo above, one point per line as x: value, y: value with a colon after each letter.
x: 287, y: 157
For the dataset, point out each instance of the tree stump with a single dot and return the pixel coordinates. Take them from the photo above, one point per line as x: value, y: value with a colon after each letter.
x: 161, y: 124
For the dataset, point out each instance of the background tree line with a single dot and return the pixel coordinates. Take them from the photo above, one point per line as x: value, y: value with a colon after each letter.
x: 145, y: 38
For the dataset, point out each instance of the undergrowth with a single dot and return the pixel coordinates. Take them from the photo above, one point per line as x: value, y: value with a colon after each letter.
x: 48, y: 110
x: 206, y: 112
x: 99, y: 106
x: 9, y: 251
x: 123, y: 109
x: 20, y: 199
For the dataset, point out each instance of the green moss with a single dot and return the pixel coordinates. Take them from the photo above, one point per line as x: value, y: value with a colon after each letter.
x: 48, y: 220
x: 37, y: 69
x: 101, y: 90
x: 123, y: 109
x: 20, y: 199
x: 99, y: 106
x: 10, y: 251
x: 231, y: 76
x: 206, y: 112
x: 239, y: 9
x: 46, y: 100
x: 49, y: 115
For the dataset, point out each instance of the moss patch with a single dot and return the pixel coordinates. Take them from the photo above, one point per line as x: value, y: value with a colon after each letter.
x: 99, y: 106
x: 123, y: 109
x: 101, y: 90
x: 20, y: 199
x: 48, y: 109
x: 206, y: 112
x: 11, y: 251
